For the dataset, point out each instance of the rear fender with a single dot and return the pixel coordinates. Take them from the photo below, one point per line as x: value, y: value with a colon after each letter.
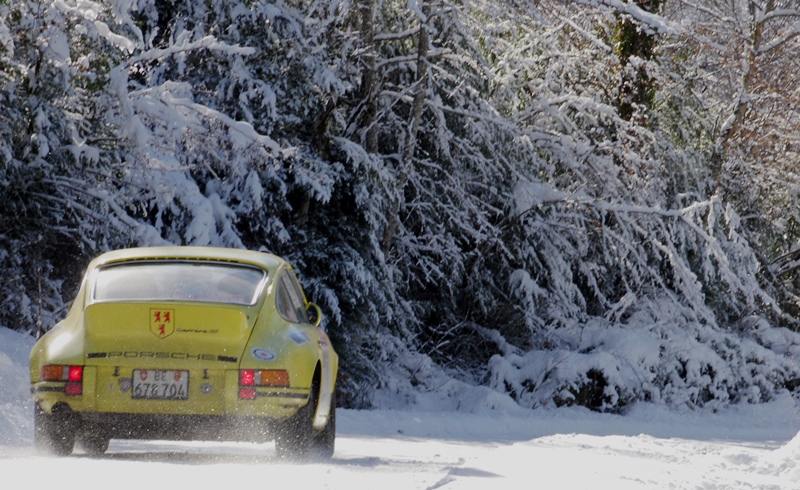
x: 63, y: 344
x: 329, y: 365
x: 275, y: 350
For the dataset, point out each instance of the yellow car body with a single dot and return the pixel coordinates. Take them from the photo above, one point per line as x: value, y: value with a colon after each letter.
x: 132, y: 361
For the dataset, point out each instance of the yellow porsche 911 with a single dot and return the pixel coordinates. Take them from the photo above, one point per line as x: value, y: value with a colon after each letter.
x: 186, y: 343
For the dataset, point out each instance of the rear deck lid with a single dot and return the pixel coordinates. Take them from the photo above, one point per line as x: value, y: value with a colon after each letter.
x: 171, y: 313
x: 164, y: 334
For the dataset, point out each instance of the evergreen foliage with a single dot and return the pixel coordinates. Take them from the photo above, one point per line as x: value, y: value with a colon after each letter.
x: 490, y: 200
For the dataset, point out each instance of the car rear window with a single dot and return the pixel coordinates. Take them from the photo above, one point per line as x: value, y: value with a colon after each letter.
x: 179, y: 281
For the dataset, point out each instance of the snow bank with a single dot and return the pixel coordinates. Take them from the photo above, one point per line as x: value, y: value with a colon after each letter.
x: 772, y: 423
x: 414, y: 382
x: 654, y: 357
x: 16, y: 424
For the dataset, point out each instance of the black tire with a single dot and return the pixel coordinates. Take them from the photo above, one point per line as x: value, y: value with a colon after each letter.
x: 324, y: 441
x: 299, y: 440
x: 54, y: 434
x: 294, y: 440
x: 93, y: 441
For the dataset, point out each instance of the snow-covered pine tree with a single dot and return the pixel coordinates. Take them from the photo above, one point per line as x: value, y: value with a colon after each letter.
x: 487, y: 198
x: 48, y: 133
x: 635, y: 279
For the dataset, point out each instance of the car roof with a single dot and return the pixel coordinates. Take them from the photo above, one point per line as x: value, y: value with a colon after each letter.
x: 261, y: 260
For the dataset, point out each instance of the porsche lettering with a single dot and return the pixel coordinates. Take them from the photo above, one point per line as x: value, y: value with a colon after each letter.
x: 161, y: 355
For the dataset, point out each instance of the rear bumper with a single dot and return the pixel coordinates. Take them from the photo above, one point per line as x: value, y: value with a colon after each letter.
x: 211, y: 393
x: 180, y: 427
x: 167, y: 427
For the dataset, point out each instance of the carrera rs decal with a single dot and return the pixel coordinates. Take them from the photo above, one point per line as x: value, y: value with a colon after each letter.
x: 197, y: 330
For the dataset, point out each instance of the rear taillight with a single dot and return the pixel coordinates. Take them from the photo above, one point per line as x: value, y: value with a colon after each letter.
x: 53, y: 373
x: 277, y: 378
x: 73, y: 389
x: 247, y: 393
x: 247, y: 377
x: 73, y: 375
x: 251, y: 378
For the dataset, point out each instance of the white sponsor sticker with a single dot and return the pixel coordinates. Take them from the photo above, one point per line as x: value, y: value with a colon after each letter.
x: 298, y: 337
x: 263, y: 354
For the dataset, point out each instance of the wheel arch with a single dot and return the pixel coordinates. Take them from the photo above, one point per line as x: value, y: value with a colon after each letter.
x: 326, y: 385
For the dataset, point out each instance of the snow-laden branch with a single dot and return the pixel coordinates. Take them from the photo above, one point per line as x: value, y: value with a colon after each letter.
x: 183, y: 45
x: 597, y: 42
x: 542, y: 194
x: 91, y: 12
x: 121, y: 42
x: 708, y: 11
x: 536, y: 195
x: 121, y: 220
x: 241, y: 133
x: 778, y: 14
x: 791, y: 33
x: 490, y: 117
x: 785, y: 263
x: 652, y: 22
x: 395, y: 36
x: 432, y: 54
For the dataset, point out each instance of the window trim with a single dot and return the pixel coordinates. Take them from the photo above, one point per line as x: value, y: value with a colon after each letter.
x: 301, y: 297
x: 257, y: 293
x: 284, y: 281
x: 280, y: 286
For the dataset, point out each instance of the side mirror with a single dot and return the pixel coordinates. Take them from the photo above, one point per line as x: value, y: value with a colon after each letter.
x: 314, y: 314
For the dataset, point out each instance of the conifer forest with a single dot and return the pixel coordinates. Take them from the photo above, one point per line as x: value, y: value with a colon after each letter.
x: 529, y: 202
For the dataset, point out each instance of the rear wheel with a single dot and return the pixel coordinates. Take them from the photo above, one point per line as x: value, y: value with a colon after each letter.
x: 299, y: 440
x: 324, y: 442
x: 54, y: 433
x: 93, y: 441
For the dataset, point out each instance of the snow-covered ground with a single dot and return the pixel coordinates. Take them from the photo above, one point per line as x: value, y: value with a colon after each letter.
x: 751, y: 447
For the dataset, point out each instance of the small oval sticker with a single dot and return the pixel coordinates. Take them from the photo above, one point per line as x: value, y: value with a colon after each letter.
x: 298, y: 337
x: 263, y: 354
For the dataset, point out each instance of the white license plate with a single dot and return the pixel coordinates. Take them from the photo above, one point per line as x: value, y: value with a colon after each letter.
x: 160, y: 384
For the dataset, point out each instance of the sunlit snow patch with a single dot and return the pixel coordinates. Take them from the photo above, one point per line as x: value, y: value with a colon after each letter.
x: 15, y: 405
